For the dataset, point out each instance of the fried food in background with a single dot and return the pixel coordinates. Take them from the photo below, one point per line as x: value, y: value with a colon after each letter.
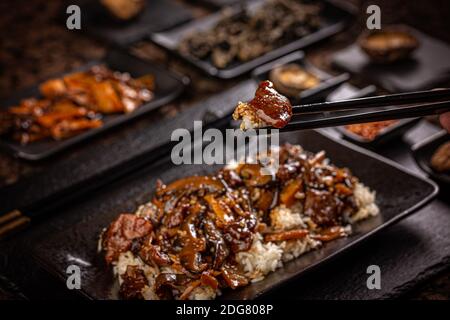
x: 245, y: 36
x: 75, y: 103
x: 370, y: 130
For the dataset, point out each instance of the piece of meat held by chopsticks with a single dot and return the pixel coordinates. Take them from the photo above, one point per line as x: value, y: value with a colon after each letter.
x: 267, y: 108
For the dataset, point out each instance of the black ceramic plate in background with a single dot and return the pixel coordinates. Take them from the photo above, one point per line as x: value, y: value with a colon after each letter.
x: 168, y: 86
x: 428, y: 66
x: 317, y: 94
x: 335, y: 17
x: 387, y: 134
x: 158, y: 15
x: 78, y: 244
x: 424, y: 150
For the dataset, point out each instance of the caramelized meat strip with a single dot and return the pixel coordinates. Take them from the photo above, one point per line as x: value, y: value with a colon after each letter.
x: 194, y: 183
x: 217, y: 243
x: 222, y: 211
x: 233, y: 278
x: 118, y: 237
x: 193, y: 245
x: 152, y: 254
x: 134, y: 281
x: 207, y: 279
x: 268, y: 108
x: 239, y: 233
x: 323, y: 207
x: 252, y: 175
x: 286, y: 235
x: 69, y: 128
x: 288, y: 194
x: 330, y: 234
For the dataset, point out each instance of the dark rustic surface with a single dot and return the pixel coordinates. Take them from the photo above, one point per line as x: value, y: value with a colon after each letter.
x: 30, y: 54
x: 153, y: 19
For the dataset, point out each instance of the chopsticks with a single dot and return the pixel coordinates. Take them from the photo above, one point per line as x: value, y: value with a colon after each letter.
x: 336, y: 119
x: 377, y: 101
x: 379, y: 108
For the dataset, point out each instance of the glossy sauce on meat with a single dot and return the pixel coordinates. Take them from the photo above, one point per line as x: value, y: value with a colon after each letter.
x: 270, y: 106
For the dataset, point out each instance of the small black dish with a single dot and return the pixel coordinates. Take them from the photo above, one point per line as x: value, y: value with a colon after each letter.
x: 387, y: 134
x: 327, y: 84
x: 169, y: 85
x: 424, y: 150
x: 335, y: 17
x: 155, y: 17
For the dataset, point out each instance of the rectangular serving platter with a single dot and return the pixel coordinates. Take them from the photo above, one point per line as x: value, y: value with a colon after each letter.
x: 99, y: 23
x: 78, y: 244
x: 335, y: 17
x: 169, y: 85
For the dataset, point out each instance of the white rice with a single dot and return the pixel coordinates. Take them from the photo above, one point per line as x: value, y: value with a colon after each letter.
x: 365, y: 199
x: 128, y: 259
x: 202, y: 293
x: 263, y: 257
x: 283, y: 218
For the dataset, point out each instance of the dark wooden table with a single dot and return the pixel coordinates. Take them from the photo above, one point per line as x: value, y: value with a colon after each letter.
x: 31, y: 54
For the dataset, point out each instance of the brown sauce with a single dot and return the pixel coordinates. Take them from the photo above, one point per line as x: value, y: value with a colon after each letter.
x: 270, y: 106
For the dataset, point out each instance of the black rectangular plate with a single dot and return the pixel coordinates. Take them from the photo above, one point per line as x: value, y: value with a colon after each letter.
x: 168, y: 86
x: 158, y: 15
x: 335, y: 18
x: 78, y: 244
x: 317, y: 94
x: 428, y: 66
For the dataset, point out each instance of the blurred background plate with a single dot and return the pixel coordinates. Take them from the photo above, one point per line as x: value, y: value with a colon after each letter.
x: 335, y: 17
x: 424, y: 150
x: 319, y: 93
x: 428, y: 66
x: 168, y: 86
x: 386, y: 135
x: 157, y: 15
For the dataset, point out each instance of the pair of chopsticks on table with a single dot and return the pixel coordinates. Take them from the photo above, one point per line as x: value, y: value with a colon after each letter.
x: 379, y: 108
